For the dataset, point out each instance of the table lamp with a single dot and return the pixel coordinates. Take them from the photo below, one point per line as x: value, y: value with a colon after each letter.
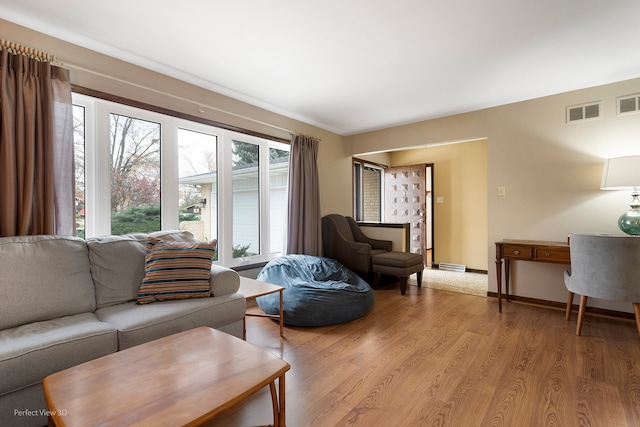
x: 623, y: 173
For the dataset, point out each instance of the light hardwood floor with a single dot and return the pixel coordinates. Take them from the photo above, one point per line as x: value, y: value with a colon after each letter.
x: 438, y: 358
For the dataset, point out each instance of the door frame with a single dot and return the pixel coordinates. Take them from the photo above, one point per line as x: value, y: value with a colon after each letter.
x: 429, y: 174
x: 429, y: 204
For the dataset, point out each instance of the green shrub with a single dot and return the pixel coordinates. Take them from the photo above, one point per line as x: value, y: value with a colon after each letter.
x: 240, y: 251
x: 136, y: 220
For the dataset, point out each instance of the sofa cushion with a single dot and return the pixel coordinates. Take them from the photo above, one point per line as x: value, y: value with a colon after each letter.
x: 28, y: 353
x: 176, y: 270
x: 174, y: 236
x: 43, y: 277
x: 117, y: 263
x: 117, y: 267
x: 137, y: 324
x: 31, y: 399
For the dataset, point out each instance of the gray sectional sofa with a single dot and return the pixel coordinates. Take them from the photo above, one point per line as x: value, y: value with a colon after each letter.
x: 65, y: 300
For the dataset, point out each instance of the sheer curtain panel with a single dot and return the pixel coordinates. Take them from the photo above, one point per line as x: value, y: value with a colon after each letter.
x: 36, y: 147
x: 304, y: 234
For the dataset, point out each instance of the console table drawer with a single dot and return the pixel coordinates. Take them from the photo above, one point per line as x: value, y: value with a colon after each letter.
x: 551, y: 255
x: 522, y: 252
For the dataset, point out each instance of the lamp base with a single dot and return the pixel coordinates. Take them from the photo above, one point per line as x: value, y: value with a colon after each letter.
x: 630, y: 222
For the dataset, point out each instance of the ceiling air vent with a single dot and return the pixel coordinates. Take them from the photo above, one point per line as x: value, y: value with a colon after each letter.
x: 580, y: 113
x: 628, y: 104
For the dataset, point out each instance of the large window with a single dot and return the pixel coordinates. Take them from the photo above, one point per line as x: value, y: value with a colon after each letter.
x: 140, y: 171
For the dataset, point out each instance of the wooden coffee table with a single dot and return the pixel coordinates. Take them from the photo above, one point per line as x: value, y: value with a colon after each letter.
x: 252, y: 289
x: 184, y: 379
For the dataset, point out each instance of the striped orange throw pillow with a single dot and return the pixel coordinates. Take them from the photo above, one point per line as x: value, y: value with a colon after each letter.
x: 176, y: 270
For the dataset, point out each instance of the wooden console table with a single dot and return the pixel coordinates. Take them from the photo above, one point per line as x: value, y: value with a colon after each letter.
x: 526, y: 250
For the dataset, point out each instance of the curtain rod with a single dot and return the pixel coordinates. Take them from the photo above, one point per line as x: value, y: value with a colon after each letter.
x: 200, y: 106
x: 292, y: 133
x: 18, y: 49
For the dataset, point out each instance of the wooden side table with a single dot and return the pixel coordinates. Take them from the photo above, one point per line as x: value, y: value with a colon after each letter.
x: 526, y: 250
x: 252, y: 289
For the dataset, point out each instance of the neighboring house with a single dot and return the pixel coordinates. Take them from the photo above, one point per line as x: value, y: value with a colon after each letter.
x: 245, y: 197
x: 193, y: 209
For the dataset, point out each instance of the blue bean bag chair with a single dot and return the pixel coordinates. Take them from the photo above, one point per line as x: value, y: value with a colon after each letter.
x: 317, y: 291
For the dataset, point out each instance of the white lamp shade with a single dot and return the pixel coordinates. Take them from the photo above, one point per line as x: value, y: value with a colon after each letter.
x: 621, y: 173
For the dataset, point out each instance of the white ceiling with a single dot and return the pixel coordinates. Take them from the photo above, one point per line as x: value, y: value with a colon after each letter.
x: 350, y: 66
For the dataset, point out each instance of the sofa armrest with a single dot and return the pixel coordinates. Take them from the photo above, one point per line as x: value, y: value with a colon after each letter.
x: 223, y: 280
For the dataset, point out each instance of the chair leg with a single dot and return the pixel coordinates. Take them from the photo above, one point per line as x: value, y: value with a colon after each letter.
x: 581, y: 310
x: 636, y: 310
x: 419, y: 277
x: 403, y: 285
x: 569, y: 304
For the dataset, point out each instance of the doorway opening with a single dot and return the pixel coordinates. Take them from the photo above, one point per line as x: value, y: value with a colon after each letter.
x: 397, y: 195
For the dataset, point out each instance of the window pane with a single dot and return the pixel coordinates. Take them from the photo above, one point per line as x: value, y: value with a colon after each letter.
x: 372, y: 183
x: 79, y: 141
x: 135, y: 175
x: 198, y: 186
x: 278, y: 169
x: 246, y: 199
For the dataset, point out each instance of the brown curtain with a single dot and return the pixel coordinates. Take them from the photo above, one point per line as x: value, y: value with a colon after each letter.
x: 304, y: 234
x: 36, y: 147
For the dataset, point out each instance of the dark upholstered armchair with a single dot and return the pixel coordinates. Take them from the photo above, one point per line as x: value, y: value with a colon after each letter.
x: 346, y: 243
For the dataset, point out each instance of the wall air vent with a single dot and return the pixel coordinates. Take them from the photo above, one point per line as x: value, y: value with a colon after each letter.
x: 628, y: 104
x: 459, y: 268
x: 580, y: 113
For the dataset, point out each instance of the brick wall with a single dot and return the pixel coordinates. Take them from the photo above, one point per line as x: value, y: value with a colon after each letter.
x: 371, y: 202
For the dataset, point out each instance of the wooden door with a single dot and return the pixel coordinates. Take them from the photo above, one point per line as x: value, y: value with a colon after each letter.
x: 405, y: 202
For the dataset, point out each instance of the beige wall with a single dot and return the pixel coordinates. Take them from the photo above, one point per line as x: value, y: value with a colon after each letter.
x: 551, y: 171
x: 460, y: 179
